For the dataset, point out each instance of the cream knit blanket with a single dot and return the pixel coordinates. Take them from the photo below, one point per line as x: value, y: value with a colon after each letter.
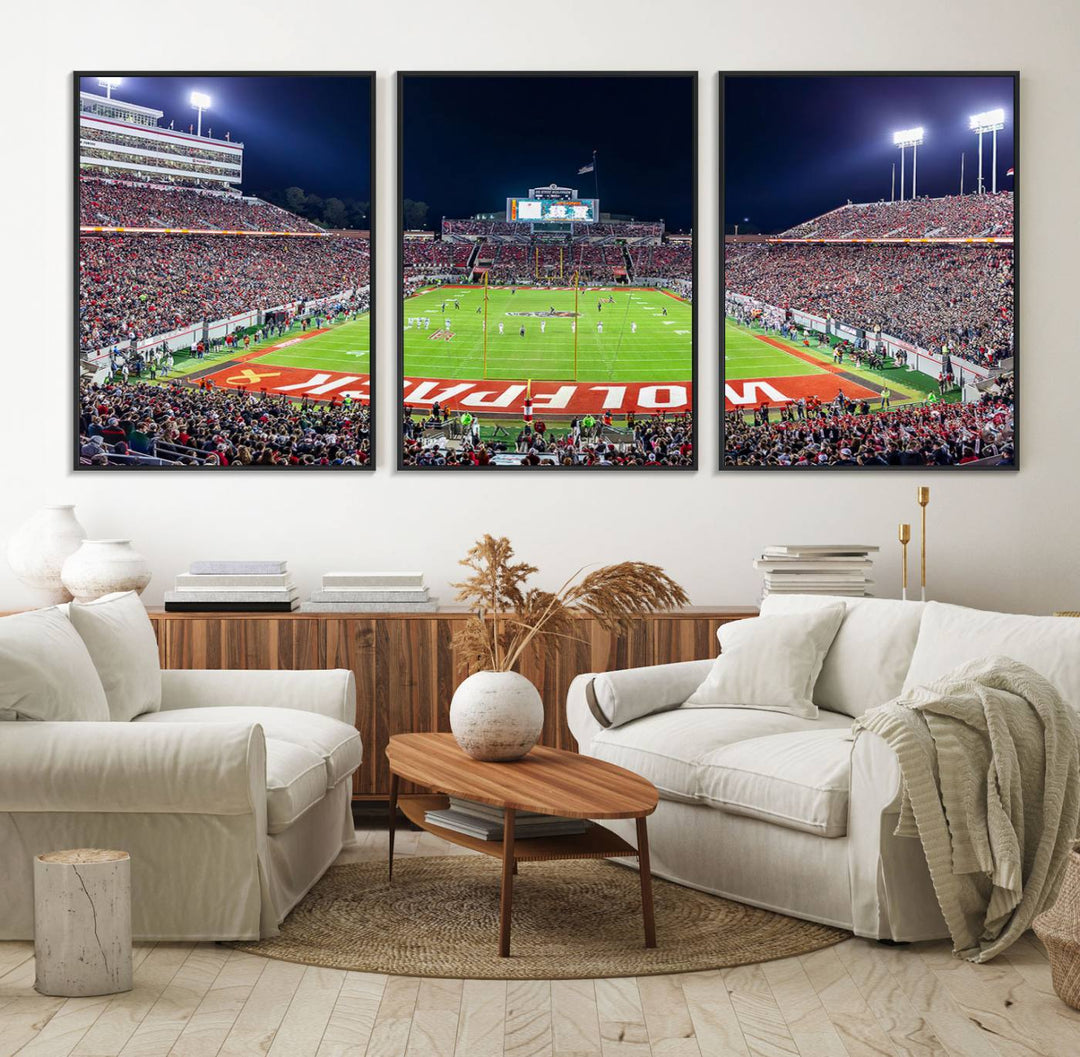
x: 990, y: 761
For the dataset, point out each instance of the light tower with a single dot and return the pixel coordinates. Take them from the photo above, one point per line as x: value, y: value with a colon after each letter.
x: 200, y: 101
x: 992, y: 121
x: 908, y: 137
x: 109, y: 83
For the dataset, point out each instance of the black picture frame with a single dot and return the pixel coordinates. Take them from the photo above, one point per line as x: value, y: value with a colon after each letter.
x: 692, y: 76
x: 1013, y: 75
x: 77, y: 77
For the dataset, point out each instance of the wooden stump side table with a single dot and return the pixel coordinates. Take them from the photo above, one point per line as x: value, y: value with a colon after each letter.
x: 82, y: 922
x: 548, y: 781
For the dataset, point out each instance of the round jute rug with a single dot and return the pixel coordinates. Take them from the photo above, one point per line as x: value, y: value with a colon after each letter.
x: 575, y: 918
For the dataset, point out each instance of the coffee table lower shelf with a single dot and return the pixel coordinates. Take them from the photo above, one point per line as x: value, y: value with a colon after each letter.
x: 597, y: 842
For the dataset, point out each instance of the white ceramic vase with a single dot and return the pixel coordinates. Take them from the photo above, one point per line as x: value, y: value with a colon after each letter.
x: 496, y: 715
x: 100, y: 567
x: 37, y: 551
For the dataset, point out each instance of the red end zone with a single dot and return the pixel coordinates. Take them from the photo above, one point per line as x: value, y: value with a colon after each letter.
x: 292, y: 381
x: 554, y: 398
x: 748, y: 393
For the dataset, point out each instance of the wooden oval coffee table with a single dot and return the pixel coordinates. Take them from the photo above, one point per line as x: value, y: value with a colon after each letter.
x: 549, y: 781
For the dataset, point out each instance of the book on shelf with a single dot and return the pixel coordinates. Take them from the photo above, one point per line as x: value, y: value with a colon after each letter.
x: 816, y: 549
x: 370, y: 607
x: 372, y: 580
x: 221, y: 581
x: 231, y: 607
x: 219, y: 567
x: 490, y: 829
x: 364, y: 594
x: 225, y: 594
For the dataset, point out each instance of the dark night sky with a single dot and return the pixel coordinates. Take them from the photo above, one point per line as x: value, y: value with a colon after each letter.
x: 472, y: 142
x: 796, y: 147
x: 309, y: 132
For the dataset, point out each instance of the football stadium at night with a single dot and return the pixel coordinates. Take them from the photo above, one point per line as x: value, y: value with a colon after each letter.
x: 216, y: 327
x: 551, y: 330
x: 871, y: 333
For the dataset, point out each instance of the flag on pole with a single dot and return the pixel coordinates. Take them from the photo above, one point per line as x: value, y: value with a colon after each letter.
x: 586, y: 169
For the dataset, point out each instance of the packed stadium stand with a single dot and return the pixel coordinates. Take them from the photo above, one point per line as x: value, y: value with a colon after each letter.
x: 152, y: 284
x: 953, y: 216
x: 606, y: 252
x: 938, y: 434
x: 133, y: 422
x: 108, y: 203
x: 928, y: 295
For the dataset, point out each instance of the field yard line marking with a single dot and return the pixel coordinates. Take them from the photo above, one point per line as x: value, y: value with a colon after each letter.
x: 281, y: 345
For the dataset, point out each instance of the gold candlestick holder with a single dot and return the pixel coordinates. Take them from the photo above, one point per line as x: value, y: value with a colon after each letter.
x: 923, y: 497
x: 904, y: 535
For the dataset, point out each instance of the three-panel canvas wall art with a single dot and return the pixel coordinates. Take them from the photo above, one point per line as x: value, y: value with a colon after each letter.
x: 547, y: 272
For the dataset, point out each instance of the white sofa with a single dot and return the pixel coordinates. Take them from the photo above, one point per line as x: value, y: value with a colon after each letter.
x: 794, y: 814
x: 232, y: 795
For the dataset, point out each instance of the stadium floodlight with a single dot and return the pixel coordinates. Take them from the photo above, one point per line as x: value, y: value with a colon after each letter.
x: 109, y: 83
x: 908, y: 137
x: 992, y: 121
x: 200, y: 101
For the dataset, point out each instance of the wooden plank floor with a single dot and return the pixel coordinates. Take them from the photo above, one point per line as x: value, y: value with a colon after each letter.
x: 857, y: 999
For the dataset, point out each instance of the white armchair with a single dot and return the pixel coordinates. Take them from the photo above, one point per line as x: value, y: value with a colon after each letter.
x: 232, y: 799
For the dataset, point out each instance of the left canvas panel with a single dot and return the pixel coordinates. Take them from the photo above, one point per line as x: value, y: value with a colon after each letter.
x: 224, y: 271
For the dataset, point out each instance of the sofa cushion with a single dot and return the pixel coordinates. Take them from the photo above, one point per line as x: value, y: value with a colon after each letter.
x: 870, y: 656
x: 668, y: 748
x: 295, y: 780
x: 45, y: 670
x: 799, y: 780
x: 953, y: 635
x: 120, y: 639
x: 336, y: 743
x: 770, y: 662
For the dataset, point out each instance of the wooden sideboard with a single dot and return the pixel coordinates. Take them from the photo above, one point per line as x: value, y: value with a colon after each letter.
x: 406, y: 667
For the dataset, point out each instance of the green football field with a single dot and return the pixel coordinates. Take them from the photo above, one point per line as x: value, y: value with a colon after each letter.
x: 747, y: 356
x: 660, y: 349
x: 344, y: 347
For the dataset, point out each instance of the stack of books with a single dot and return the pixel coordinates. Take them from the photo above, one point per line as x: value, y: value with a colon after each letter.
x: 234, y: 587
x: 371, y: 593
x: 817, y: 569
x: 486, y: 822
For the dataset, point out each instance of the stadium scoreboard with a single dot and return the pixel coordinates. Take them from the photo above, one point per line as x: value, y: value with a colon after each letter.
x: 552, y: 210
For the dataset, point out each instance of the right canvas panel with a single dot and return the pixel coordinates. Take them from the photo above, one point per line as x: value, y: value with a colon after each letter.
x: 869, y: 271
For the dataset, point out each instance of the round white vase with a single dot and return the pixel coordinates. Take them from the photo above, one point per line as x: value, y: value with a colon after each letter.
x: 100, y: 567
x: 37, y: 551
x: 496, y: 715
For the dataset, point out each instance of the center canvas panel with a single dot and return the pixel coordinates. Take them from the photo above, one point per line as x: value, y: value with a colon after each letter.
x: 547, y: 269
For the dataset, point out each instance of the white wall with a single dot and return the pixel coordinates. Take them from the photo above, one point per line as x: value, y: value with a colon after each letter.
x: 1003, y: 540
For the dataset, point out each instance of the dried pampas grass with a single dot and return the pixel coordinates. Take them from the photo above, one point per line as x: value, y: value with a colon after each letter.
x: 507, y: 615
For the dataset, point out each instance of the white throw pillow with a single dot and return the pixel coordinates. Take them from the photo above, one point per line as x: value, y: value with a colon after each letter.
x: 45, y: 670
x: 121, y: 641
x: 869, y: 657
x: 770, y: 663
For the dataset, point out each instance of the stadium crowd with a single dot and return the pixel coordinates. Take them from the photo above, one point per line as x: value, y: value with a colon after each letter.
x: 927, y: 295
x: 144, y: 285
x: 186, y: 425
x: 453, y: 438
x: 953, y: 216
x: 844, y: 434
x: 107, y: 203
